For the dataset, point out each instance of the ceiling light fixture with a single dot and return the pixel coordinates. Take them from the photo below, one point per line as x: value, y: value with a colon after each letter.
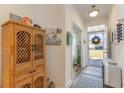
x: 93, y: 12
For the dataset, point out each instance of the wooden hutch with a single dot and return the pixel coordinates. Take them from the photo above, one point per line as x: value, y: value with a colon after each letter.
x: 23, y: 56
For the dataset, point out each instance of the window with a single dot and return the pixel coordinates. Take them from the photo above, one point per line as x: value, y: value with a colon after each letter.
x: 96, y: 28
x: 89, y: 29
x: 101, y: 27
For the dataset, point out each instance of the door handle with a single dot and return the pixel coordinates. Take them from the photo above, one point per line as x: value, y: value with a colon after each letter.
x: 33, y: 47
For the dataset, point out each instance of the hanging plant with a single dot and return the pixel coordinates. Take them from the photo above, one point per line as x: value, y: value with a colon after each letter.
x: 96, y: 40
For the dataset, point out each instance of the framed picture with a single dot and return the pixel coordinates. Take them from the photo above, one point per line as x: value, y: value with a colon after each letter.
x: 53, y: 36
x: 69, y: 38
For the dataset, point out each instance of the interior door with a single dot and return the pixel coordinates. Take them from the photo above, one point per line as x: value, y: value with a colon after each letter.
x: 23, y: 46
x: 38, y: 48
x: 76, y: 51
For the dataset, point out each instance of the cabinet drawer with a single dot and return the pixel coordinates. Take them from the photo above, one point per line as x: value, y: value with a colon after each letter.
x: 26, y: 83
x: 38, y: 80
x: 20, y: 75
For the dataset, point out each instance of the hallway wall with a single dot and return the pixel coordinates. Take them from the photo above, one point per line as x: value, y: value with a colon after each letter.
x: 47, y: 16
x: 72, y: 17
x: 53, y: 16
x: 117, y: 12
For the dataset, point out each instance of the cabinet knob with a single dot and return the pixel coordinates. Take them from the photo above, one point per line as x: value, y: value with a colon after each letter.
x: 33, y: 47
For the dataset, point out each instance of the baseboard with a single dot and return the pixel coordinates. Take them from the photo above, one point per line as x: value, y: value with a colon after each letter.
x: 68, y: 84
x: 107, y: 86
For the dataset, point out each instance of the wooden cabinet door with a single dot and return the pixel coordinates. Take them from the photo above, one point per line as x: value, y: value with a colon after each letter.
x: 38, y: 47
x: 23, y: 47
x: 38, y: 80
x: 26, y: 83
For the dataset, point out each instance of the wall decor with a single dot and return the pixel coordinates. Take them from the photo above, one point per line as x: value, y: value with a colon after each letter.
x: 96, y: 40
x: 120, y: 30
x: 69, y: 38
x: 53, y: 36
x: 114, y: 36
x: 118, y: 33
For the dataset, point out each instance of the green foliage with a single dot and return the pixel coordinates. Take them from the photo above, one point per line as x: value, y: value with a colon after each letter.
x: 79, y: 55
x: 69, y: 39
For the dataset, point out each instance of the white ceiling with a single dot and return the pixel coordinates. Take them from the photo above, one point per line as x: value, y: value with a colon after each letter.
x: 83, y: 9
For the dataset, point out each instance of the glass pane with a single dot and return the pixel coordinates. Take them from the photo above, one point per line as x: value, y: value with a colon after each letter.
x: 101, y: 27
x: 95, y: 28
x: 89, y: 29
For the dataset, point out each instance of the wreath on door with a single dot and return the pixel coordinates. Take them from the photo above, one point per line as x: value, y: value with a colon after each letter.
x: 96, y: 40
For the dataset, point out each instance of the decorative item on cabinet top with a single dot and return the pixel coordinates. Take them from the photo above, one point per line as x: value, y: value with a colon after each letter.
x: 26, y: 20
x: 15, y: 17
x: 20, y: 23
x: 36, y: 25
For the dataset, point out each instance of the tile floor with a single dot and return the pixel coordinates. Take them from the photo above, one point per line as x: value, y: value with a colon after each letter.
x: 90, y: 77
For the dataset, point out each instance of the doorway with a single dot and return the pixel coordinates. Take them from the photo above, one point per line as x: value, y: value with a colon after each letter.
x: 97, y: 42
x: 76, y: 51
x: 96, y: 45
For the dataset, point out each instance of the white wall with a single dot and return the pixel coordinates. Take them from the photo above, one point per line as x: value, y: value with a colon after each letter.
x: 117, y: 12
x: 72, y: 16
x: 53, y: 16
x: 46, y: 16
